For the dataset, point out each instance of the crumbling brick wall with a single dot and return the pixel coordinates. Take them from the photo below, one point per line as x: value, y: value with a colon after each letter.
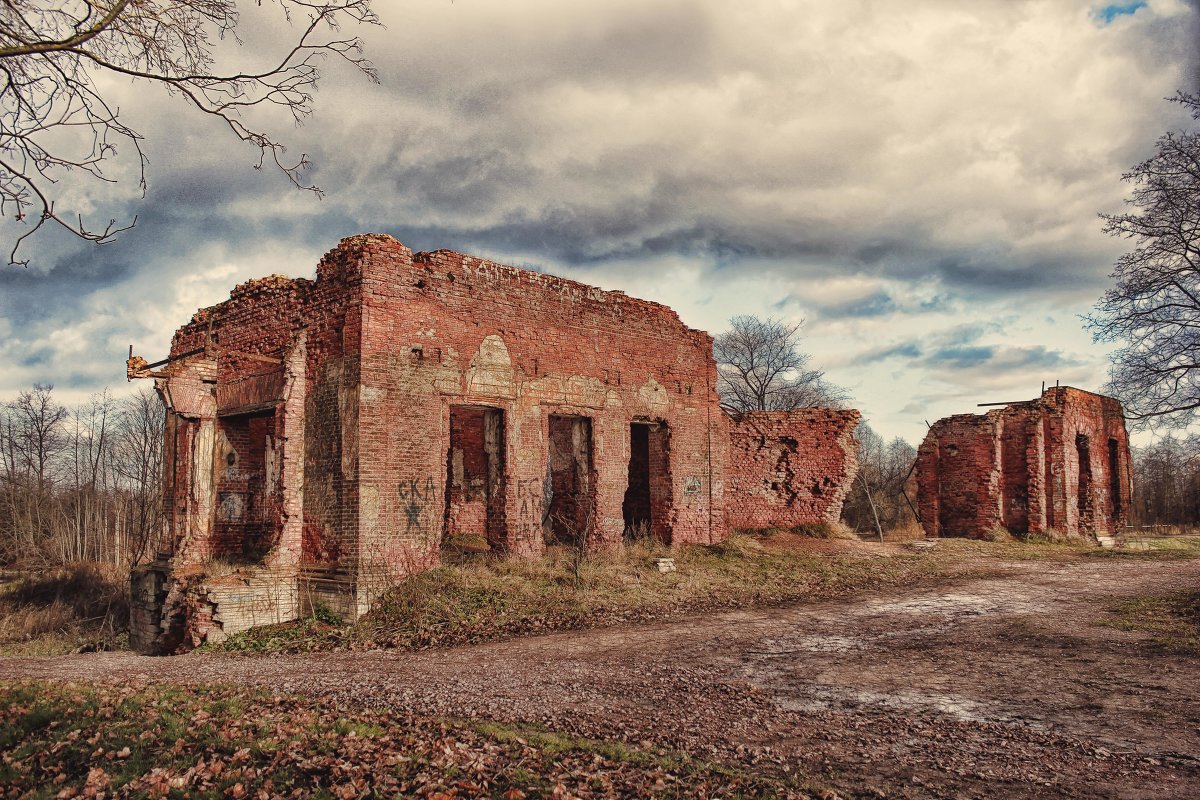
x: 444, y: 329
x: 335, y: 435
x: 1060, y: 462
x: 787, y: 469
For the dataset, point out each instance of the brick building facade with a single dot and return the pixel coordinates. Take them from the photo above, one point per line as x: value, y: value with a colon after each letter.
x: 1060, y: 463
x: 327, y: 437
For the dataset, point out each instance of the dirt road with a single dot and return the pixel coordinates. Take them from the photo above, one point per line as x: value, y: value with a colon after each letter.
x: 997, y: 687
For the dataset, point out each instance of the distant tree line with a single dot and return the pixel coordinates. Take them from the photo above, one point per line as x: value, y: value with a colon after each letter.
x: 79, y: 484
x: 1166, y: 482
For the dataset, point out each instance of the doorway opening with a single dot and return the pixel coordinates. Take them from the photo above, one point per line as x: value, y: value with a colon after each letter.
x: 647, y: 503
x: 1114, y: 478
x: 1084, y: 500
x: 636, y: 506
x: 474, y: 515
x: 572, y: 483
x: 247, y: 520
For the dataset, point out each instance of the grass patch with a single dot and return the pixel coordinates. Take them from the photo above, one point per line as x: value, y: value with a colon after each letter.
x: 1161, y: 549
x: 1172, y: 620
x: 553, y: 743
x: 1031, y: 549
x: 60, y: 610
x: 75, y: 740
x: 485, y: 599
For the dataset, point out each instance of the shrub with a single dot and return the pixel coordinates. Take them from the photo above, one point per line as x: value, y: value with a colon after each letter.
x: 76, y: 601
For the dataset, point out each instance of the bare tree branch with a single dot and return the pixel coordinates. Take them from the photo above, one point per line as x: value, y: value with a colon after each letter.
x: 52, y: 53
x: 760, y: 367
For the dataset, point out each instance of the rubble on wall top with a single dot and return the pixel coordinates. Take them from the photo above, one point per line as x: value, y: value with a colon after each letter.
x: 277, y: 284
x: 477, y: 264
x: 269, y: 285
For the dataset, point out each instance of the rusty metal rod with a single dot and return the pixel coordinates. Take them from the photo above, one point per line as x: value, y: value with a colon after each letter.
x: 169, y: 359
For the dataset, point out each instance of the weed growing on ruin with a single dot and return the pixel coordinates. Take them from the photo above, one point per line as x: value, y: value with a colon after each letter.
x: 318, y: 631
x: 997, y: 534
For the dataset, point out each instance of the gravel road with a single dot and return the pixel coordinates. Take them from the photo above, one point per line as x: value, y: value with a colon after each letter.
x: 999, y: 687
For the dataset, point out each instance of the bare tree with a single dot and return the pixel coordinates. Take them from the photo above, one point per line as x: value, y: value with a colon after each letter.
x: 1154, y: 308
x: 33, y: 436
x: 137, y: 463
x: 877, y: 498
x: 81, y: 485
x: 760, y: 367
x: 1166, y: 482
x: 54, y: 116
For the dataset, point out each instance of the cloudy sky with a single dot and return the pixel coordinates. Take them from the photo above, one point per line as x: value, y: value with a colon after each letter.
x: 918, y: 181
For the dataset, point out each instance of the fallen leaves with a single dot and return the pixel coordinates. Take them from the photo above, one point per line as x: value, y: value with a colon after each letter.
x: 243, y: 743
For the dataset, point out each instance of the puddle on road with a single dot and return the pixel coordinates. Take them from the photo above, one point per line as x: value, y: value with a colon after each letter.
x: 934, y: 604
x: 812, y: 643
x: 834, y: 698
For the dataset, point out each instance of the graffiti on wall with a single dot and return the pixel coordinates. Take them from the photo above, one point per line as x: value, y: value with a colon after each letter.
x: 415, y: 494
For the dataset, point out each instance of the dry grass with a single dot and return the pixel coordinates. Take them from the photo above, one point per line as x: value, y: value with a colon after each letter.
x: 486, y: 598
x: 998, y: 534
x: 62, y: 609
x: 1172, y: 620
x: 910, y: 531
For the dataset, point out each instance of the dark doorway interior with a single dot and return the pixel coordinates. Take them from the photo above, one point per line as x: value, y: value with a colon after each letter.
x: 475, y: 480
x: 648, y: 497
x: 1114, y: 478
x: 572, y: 484
x: 1084, y: 502
x: 636, y: 506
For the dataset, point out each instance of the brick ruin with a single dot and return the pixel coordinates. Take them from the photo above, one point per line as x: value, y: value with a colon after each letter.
x: 1059, y: 463
x: 789, y: 469
x: 327, y: 437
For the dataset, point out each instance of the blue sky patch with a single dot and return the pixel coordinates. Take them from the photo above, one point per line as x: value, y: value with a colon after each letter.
x: 1108, y: 13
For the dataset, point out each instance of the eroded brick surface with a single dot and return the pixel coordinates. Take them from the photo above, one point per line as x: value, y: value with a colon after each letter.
x: 786, y: 469
x: 326, y: 438
x: 1060, y: 463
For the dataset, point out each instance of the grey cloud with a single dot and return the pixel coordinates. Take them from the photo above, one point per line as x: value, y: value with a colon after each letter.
x: 996, y: 358
x: 960, y: 357
x: 877, y: 304
x: 611, y: 138
x: 907, y: 350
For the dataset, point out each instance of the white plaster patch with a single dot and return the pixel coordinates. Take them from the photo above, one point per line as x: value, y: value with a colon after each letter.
x: 368, y: 506
x: 654, y: 396
x: 491, y: 371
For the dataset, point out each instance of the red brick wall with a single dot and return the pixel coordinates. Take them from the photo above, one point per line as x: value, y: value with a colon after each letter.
x: 1102, y: 420
x: 785, y: 469
x: 443, y: 328
x: 353, y: 437
x: 964, y: 452
x: 1019, y: 468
